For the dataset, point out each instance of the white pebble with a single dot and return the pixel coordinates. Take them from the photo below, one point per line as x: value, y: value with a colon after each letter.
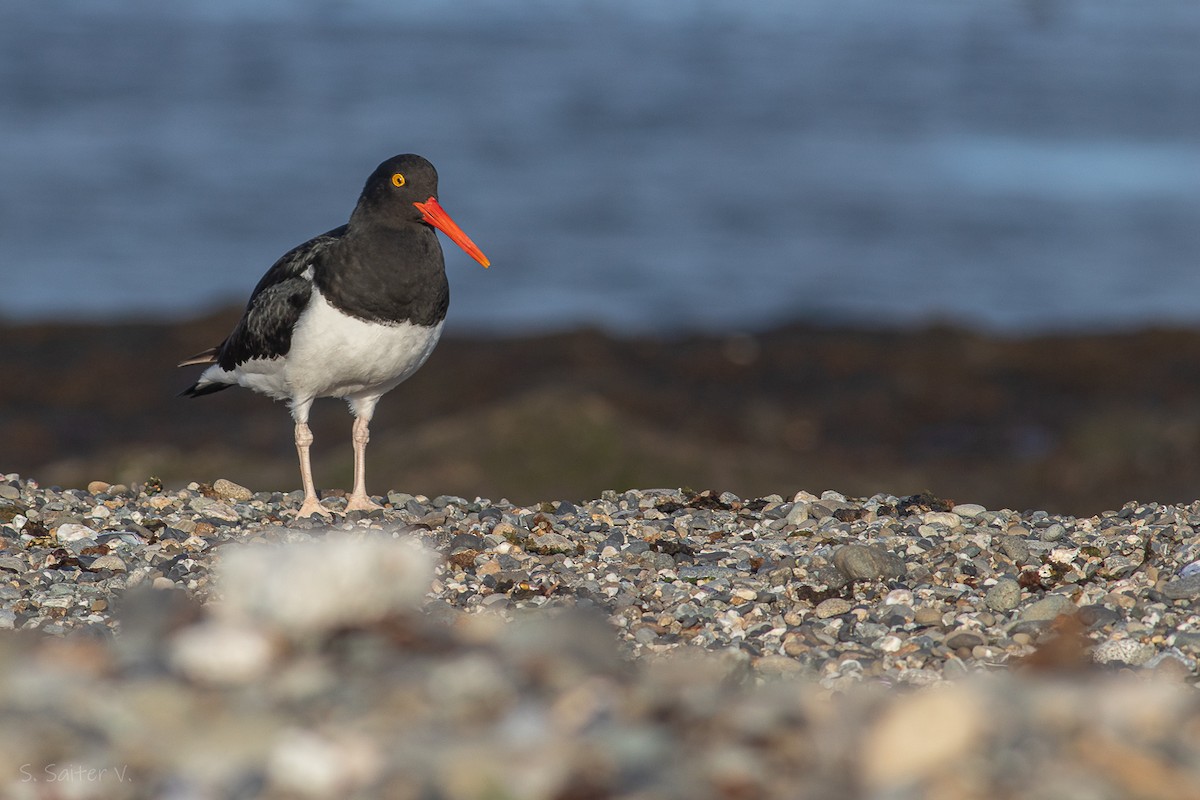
x: 73, y: 532
x: 221, y: 653
x: 890, y: 643
x: 945, y: 518
x: 1064, y: 555
x: 312, y: 586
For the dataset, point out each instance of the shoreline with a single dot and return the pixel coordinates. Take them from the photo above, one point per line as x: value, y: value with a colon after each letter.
x: 1069, y: 423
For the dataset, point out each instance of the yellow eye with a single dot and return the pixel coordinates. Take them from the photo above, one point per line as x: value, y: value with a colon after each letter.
x: 397, y: 179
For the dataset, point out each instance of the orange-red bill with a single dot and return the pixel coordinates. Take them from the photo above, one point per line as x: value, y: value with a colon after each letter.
x: 436, y: 216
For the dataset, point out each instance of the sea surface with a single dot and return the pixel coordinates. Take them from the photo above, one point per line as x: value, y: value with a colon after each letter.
x: 641, y: 167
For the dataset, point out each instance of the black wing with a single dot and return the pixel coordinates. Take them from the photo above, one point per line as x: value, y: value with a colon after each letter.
x: 265, y: 330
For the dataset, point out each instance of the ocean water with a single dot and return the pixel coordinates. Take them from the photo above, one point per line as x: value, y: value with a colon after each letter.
x: 719, y: 166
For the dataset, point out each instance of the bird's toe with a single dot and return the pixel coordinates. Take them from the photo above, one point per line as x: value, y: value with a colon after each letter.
x: 310, y: 507
x: 361, y: 503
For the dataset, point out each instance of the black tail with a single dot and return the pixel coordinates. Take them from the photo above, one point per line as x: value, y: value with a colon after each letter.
x: 196, y: 390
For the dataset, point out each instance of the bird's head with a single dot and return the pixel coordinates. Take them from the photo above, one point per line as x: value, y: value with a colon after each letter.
x: 404, y: 189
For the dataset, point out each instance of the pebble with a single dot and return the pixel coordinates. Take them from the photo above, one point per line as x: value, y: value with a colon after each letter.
x: 964, y: 639
x: 833, y: 607
x: 947, y: 519
x: 231, y: 491
x: 867, y: 562
x: 919, y: 736
x: 1005, y: 595
x: 73, y: 532
x: 221, y: 653
x: 1182, y: 588
x: 969, y: 510
x: 1126, y: 651
x: 1054, y: 532
x: 109, y: 561
x: 549, y: 543
x: 928, y: 615
x: 1048, y: 608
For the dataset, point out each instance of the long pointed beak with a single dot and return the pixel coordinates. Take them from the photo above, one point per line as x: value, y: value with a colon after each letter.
x: 436, y: 216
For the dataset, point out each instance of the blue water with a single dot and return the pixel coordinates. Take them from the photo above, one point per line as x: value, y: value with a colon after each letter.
x: 721, y: 165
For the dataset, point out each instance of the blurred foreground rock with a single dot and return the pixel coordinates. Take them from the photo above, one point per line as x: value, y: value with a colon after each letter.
x: 665, y: 644
x: 366, y: 695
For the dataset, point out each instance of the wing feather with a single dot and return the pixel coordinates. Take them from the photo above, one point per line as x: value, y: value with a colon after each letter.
x: 265, y: 329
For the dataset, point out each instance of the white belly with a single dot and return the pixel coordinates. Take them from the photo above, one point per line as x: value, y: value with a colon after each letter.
x: 335, y: 355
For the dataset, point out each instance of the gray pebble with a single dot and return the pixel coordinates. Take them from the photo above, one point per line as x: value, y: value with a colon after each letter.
x: 705, y: 572
x: 1048, y: 608
x: 860, y: 562
x: 969, y: 510
x: 1004, y: 596
x: 466, y: 541
x: 1054, y: 533
x: 1189, y: 641
x: 1015, y: 548
x: 109, y: 561
x: 1182, y: 588
x: 967, y: 639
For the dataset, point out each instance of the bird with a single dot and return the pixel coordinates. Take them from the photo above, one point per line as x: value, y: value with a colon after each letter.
x: 350, y: 313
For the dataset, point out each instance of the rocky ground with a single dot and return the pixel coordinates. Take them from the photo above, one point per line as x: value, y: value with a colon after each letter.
x: 201, y: 642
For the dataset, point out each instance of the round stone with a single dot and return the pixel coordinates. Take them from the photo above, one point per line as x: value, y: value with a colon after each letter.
x: 863, y: 562
x: 969, y: 510
x: 73, y: 532
x: 1126, y: 651
x: 947, y: 519
x: 833, y: 607
x: 964, y: 638
x: 111, y: 562
x: 1004, y: 596
x: 1049, y: 607
x: 1182, y: 588
x: 928, y: 615
x: 229, y: 490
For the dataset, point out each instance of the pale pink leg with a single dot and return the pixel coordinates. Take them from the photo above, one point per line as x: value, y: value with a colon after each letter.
x: 359, y: 500
x: 304, y: 440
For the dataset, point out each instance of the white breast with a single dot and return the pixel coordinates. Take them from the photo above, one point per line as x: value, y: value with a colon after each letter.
x: 336, y: 355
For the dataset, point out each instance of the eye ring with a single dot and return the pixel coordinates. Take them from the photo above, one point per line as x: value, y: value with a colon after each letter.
x: 398, y: 180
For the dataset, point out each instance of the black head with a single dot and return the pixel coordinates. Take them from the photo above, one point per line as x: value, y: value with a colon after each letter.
x: 394, y: 186
x: 403, y: 191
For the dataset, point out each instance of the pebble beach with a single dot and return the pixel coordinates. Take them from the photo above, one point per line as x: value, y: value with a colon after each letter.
x: 202, y: 642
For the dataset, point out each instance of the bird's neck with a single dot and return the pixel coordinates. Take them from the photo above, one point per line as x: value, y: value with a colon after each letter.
x: 387, y: 274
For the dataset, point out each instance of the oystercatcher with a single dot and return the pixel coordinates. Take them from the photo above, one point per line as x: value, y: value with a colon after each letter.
x: 350, y: 313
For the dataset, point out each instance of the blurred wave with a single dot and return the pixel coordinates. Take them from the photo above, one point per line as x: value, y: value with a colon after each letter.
x: 1015, y: 166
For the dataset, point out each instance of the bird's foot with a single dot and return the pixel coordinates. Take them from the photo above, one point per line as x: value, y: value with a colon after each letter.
x: 361, y: 502
x: 311, y: 507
